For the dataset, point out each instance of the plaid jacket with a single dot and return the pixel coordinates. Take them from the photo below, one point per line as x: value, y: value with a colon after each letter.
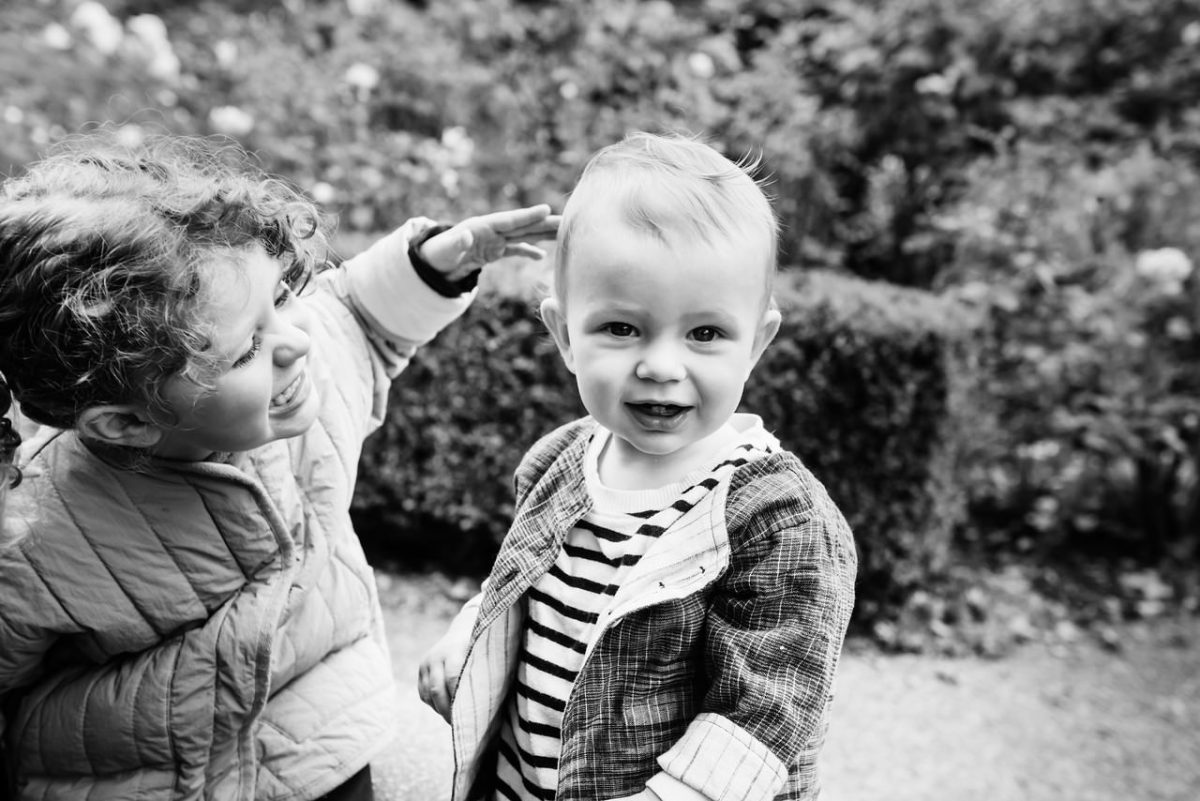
x: 715, y: 662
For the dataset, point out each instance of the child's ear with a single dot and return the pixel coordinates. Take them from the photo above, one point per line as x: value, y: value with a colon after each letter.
x: 556, y: 323
x: 121, y: 424
x: 768, y: 327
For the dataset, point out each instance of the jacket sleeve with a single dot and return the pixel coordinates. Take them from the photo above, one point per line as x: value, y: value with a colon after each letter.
x: 29, y: 620
x: 378, y: 311
x: 775, y: 629
x: 393, y: 300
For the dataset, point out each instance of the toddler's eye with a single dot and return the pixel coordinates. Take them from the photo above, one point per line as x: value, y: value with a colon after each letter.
x: 706, y: 333
x: 619, y: 329
x: 283, y: 295
x: 248, y: 356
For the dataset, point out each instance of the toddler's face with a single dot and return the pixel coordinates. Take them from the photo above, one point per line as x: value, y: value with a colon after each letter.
x: 261, y: 391
x: 661, y: 336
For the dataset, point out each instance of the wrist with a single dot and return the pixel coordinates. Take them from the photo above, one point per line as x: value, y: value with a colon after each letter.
x: 434, y: 278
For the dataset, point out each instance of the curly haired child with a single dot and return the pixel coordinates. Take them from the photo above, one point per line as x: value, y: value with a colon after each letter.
x: 666, y: 613
x: 185, y: 611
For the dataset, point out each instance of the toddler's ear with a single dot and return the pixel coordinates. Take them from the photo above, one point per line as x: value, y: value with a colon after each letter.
x: 768, y: 327
x: 119, y: 425
x: 556, y: 323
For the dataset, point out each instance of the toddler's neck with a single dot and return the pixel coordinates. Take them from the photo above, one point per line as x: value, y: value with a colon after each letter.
x: 622, y: 467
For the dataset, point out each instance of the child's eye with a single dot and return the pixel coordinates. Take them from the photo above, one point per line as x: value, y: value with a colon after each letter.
x: 706, y: 333
x: 283, y: 295
x: 298, y: 275
x: 248, y: 356
x: 618, y: 329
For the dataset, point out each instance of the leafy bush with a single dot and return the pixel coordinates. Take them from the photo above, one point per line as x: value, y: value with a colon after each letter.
x: 1091, y: 358
x: 859, y: 383
x: 1021, y: 156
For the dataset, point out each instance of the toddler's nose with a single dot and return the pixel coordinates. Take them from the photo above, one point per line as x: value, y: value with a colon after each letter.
x: 660, y: 362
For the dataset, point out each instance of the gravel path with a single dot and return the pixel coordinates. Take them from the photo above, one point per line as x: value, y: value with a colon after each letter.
x: 1063, y: 723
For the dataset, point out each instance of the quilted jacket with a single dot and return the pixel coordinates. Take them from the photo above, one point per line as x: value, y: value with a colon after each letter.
x: 211, y: 630
x: 714, y: 663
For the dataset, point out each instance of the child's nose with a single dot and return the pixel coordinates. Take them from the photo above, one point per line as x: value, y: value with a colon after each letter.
x: 660, y: 362
x: 293, y: 341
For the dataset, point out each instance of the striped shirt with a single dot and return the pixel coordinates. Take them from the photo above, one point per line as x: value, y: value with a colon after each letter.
x: 564, y: 606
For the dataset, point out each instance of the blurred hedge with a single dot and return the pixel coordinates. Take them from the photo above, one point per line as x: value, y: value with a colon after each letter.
x: 1036, y: 160
x: 859, y: 383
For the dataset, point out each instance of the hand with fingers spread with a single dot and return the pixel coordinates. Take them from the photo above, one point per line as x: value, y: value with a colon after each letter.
x: 476, y: 241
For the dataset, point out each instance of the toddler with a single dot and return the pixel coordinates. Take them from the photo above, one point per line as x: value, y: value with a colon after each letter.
x: 185, y: 611
x: 665, y: 616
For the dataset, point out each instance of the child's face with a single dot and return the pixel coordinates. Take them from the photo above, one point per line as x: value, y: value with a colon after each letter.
x: 661, y: 336
x: 262, y: 391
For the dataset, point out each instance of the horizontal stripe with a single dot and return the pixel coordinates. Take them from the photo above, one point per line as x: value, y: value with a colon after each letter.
x: 537, y: 596
x: 530, y: 787
x: 580, y: 583
x: 601, y: 532
x: 579, y: 552
x: 538, y: 729
x: 556, y: 636
x: 558, y: 671
x: 548, y: 701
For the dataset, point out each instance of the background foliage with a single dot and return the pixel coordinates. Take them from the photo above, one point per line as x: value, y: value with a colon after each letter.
x: 1027, y: 171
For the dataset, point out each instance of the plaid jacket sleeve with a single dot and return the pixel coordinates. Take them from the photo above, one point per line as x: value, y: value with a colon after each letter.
x: 776, y: 624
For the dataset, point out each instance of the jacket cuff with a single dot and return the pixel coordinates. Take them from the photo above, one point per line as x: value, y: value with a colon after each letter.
x: 437, y: 280
x: 384, y: 284
x: 668, y: 788
x: 721, y: 760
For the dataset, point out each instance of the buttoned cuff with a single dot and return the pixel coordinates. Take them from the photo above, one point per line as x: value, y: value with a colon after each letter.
x: 386, y: 287
x: 721, y: 760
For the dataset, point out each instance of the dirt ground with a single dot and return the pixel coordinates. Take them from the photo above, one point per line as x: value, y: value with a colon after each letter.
x: 1076, y: 722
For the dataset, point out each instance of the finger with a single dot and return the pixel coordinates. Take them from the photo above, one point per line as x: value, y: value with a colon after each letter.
x: 513, y: 219
x: 546, y: 227
x: 441, y: 702
x: 423, y: 683
x: 524, y: 249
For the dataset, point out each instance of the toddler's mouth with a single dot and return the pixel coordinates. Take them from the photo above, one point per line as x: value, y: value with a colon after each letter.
x: 288, y: 394
x: 665, y: 410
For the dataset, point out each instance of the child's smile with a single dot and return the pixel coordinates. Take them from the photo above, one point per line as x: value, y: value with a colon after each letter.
x: 262, y: 391
x: 659, y: 416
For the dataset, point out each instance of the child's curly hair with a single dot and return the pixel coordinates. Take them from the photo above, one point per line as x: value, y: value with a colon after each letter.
x: 104, y: 251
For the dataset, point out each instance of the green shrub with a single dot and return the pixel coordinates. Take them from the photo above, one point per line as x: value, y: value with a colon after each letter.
x: 1090, y: 357
x: 858, y: 383
x: 864, y: 383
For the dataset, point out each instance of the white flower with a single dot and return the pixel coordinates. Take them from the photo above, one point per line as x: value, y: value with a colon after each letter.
x: 131, y: 135
x: 323, y: 193
x: 149, y: 28
x: 1166, y: 267
x: 1179, y: 328
x: 101, y: 28
x: 13, y: 115
x: 360, y: 7
x: 701, y: 65
x: 934, y: 84
x: 568, y: 90
x: 56, y: 37
x: 459, y: 145
x: 231, y: 121
x: 362, y: 77
x: 1191, y: 34
x: 148, y: 38
x: 226, y: 53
